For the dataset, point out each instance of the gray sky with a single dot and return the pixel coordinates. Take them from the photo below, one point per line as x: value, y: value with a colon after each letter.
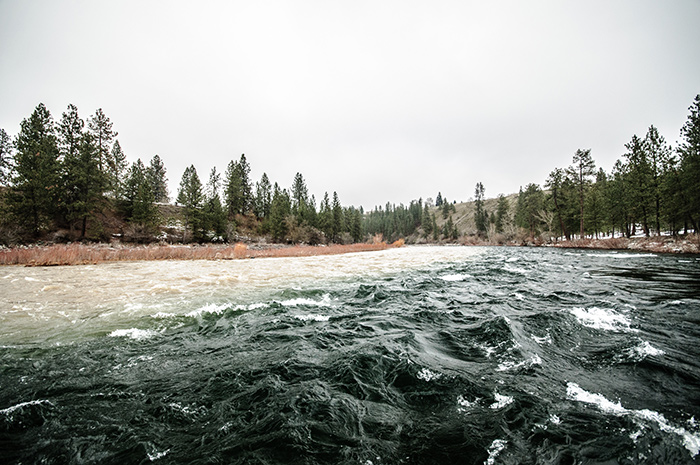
x: 377, y: 100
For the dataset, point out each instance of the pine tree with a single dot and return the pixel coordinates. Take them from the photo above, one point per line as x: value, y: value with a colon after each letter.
x: 639, y: 180
x: 480, y: 216
x: 101, y: 129
x: 338, y: 223
x: 325, y: 217
x: 117, y: 170
x: 213, y: 210
x: 502, y: 208
x: 84, y: 183
x: 689, y: 153
x: 582, y: 169
x: 237, y: 190
x: 139, y: 206
x: 263, y: 197
x: 554, y: 184
x: 33, y: 198
x: 159, y: 182
x: 658, y: 154
x: 191, y: 197
x: 279, y: 212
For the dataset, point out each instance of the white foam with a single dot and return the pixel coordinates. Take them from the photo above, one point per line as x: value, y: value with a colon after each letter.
x: 324, y: 302
x: 501, y: 401
x: 602, y: 318
x: 510, y: 365
x: 157, y: 455
x: 554, y: 419
x: 10, y: 410
x: 643, y: 350
x: 133, y: 333
x: 209, y: 308
x: 455, y: 277
x: 495, y: 448
x: 312, y: 317
x: 690, y: 440
x: 464, y: 404
x: 427, y: 375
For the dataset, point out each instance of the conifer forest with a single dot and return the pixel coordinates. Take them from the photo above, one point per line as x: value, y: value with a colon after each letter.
x: 68, y: 179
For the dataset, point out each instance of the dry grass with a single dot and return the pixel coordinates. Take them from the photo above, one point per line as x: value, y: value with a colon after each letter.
x: 81, y: 254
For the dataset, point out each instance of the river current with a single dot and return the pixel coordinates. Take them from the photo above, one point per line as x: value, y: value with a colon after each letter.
x: 417, y: 355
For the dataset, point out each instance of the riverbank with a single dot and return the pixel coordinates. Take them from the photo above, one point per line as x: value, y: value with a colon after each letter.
x: 84, y: 254
x: 689, y: 244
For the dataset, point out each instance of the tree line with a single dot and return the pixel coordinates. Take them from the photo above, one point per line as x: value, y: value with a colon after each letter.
x: 653, y: 189
x: 72, y: 175
x: 69, y: 175
x: 286, y: 215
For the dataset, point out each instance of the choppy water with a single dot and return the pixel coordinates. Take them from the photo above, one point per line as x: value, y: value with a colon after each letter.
x: 408, y: 356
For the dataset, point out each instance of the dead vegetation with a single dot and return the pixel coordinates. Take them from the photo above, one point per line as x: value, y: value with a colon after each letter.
x: 82, y: 254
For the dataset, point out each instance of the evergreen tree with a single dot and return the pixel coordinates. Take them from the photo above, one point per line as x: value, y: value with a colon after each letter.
x: 529, y: 208
x: 502, y: 208
x: 438, y: 200
x: 554, y: 184
x: 155, y: 173
x: 140, y: 209
x: 101, y: 130
x: 70, y: 133
x: 582, y: 169
x: 191, y: 197
x: 84, y: 183
x: 214, y: 212
x: 33, y: 197
x: 658, y: 154
x: 117, y: 171
x: 426, y: 222
x: 639, y: 181
x: 238, y: 193
x: 338, y: 223
x: 480, y: 216
x: 434, y: 227
x: 689, y: 153
x: 325, y: 217
x: 263, y: 197
x: 595, y: 204
x: 280, y: 210
x: 5, y: 157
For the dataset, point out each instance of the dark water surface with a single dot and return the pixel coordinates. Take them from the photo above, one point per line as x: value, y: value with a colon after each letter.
x: 409, y: 356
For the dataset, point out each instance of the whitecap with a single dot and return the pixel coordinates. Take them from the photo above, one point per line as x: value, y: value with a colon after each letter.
x: 455, y: 277
x: 495, y: 448
x: 10, y: 410
x: 501, y: 401
x: 312, y: 317
x: 133, y: 333
x: 324, y: 302
x: 464, y: 404
x: 690, y: 440
x: 602, y: 318
x: 209, y: 308
x: 643, y: 350
x: 157, y: 455
x: 427, y: 375
x: 511, y: 365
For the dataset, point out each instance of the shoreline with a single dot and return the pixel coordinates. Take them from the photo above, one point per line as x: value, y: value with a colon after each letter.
x: 90, y: 254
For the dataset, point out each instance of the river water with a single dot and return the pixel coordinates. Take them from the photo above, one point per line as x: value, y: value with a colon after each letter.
x: 418, y: 355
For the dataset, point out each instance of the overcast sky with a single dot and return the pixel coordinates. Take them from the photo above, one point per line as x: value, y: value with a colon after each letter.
x: 377, y: 100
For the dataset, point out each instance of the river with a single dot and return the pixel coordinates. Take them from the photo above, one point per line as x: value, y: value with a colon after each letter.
x: 417, y: 355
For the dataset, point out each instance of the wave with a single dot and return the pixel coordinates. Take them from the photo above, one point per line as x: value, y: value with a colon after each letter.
x: 691, y: 441
x: 602, y: 318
